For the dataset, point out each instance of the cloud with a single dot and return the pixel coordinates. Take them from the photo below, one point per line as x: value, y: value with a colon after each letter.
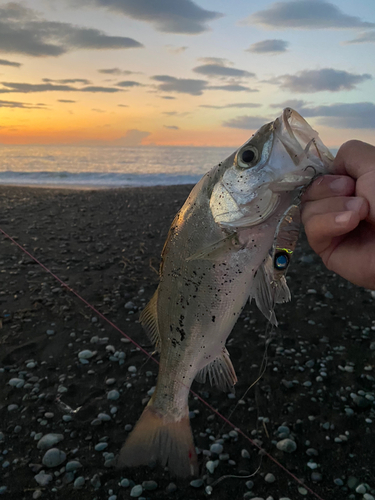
x: 169, y: 16
x: 246, y: 122
x: 175, y: 113
x: 128, y: 83
x: 305, y: 14
x: 115, y: 71
x: 368, y: 37
x: 97, y: 110
x: 167, y: 97
x: 180, y: 85
x: 123, y: 105
x: 26, y: 88
x: 67, y: 80
x: 22, y: 105
x: 214, y: 70
x: 232, y: 105
x: 309, y: 81
x: 23, y: 31
x: 175, y: 50
x: 4, y: 62
x: 358, y: 115
x: 131, y: 138
x: 66, y: 100
x: 172, y: 127
x: 274, y: 46
x: 194, y: 87
x: 233, y: 88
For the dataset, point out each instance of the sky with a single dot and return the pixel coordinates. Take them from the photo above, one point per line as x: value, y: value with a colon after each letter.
x: 190, y: 73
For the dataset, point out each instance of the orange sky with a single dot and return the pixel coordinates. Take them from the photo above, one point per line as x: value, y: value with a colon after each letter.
x: 209, y: 78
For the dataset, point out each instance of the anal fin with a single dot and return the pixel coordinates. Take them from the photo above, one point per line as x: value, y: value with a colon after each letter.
x: 220, y: 373
x: 149, y: 321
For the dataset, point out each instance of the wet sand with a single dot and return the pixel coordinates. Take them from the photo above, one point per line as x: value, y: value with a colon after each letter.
x: 106, y: 244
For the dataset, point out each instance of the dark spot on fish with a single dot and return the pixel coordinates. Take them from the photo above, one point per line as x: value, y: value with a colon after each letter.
x: 182, y: 333
x: 213, y: 319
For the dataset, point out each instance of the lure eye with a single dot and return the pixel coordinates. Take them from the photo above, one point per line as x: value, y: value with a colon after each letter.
x: 281, y: 261
x: 248, y: 157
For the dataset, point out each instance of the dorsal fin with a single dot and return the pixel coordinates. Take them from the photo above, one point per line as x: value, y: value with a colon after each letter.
x: 220, y: 373
x: 149, y: 321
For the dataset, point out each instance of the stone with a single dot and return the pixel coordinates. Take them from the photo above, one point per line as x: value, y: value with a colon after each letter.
x: 286, y: 445
x: 49, y: 440
x: 53, y: 458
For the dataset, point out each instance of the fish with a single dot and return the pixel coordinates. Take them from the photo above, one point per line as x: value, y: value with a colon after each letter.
x: 230, y: 242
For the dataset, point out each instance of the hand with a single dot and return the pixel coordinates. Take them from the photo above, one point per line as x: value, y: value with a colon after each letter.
x: 338, y: 212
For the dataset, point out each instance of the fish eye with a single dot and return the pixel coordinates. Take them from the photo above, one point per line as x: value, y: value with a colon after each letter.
x: 248, y: 157
x: 281, y: 261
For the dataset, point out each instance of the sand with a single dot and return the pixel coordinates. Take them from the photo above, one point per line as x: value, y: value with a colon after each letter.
x: 106, y: 244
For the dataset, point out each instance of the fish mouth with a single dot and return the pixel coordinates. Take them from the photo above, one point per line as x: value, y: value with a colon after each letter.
x: 309, y: 155
x: 301, y: 141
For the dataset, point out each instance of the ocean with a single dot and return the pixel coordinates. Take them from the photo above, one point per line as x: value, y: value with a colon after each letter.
x: 106, y: 167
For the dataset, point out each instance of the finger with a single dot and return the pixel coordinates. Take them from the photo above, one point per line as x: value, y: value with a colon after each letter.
x: 354, y: 158
x: 327, y: 186
x: 321, y: 229
x: 337, y: 204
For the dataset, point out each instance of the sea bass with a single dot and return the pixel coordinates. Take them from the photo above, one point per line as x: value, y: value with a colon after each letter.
x: 231, y: 241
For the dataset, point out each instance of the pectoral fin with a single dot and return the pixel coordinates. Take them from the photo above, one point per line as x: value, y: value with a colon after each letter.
x: 149, y: 321
x: 269, y: 291
x: 216, y: 250
x: 220, y: 372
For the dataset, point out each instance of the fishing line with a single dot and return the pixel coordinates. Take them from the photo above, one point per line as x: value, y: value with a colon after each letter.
x: 237, y: 429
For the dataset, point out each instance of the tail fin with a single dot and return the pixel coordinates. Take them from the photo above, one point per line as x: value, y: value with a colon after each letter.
x: 155, y: 439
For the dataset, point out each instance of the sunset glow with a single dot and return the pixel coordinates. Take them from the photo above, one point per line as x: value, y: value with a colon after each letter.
x: 208, y: 75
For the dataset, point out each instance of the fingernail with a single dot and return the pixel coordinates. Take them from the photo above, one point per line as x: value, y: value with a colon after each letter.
x: 338, y: 185
x: 343, y: 218
x: 354, y: 204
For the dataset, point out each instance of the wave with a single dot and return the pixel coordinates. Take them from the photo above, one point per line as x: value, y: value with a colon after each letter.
x: 94, y: 179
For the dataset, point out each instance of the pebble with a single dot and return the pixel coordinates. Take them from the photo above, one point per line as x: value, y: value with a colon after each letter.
x: 245, y: 454
x: 286, y: 445
x: 17, y: 382
x: 149, y: 485
x: 86, y: 354
x: 72, y: 466
x: 270, y: 478
x: 132, y: 369
x: 79, y: 482
x: 136, y: 491
x: 53, y: 457
x: 196, y: 483
x: 50, y: 332
x: 367, y: 496
x: 113, y: 395
x: 95, y: 481
x: 361, y: 488
x: 101, y: 446
x: 249, y: 485
x: 125, y: 483
x: 49, y: 440
x: 171, y: 488
x: 42, y: 478
x: 216, y: 448
x: 316, y: 477
x: 3, y: 489
x: 210, y: 466
x: 129, y: 305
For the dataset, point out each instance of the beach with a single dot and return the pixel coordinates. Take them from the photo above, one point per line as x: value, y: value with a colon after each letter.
x: 65, y: 371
